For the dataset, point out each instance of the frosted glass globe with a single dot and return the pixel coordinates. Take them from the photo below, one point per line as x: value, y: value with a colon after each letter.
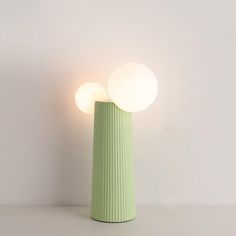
x: 132, y: 87
x: 87, y: 94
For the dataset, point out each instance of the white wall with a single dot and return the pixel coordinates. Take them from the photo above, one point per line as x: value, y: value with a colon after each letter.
x: 184, y: 144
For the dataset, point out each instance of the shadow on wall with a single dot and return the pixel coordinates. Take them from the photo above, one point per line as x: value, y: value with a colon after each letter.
x: 46, y: 142
x: 73, y: 147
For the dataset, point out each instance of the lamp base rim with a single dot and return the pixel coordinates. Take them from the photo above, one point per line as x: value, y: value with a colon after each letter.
x: 115, y: 222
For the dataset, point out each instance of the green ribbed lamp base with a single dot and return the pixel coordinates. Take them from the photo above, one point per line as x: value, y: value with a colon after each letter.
x: 113, y: 172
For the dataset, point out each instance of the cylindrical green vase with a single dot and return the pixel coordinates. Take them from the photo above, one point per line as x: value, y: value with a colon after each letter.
x: 113, y: 195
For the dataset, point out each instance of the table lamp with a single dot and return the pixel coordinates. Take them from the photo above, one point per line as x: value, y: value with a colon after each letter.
x: 132, y: 87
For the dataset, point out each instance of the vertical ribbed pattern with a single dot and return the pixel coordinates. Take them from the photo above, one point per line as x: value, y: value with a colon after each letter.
x: 113, y: 175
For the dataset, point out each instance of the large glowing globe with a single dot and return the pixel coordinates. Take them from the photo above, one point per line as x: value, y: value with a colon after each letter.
x: 132, y: 87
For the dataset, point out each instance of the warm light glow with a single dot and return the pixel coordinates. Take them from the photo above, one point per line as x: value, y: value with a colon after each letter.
x: 87, y: 94
x: 133, y: 87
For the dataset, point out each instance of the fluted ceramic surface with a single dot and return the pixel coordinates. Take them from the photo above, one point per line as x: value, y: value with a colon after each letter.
x: 113, y: 175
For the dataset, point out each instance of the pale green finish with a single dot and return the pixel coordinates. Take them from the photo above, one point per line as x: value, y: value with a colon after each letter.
x: 113, y: 197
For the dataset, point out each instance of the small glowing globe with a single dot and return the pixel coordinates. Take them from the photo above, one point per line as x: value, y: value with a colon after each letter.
x: 87, y: 94
x: 133, y: 87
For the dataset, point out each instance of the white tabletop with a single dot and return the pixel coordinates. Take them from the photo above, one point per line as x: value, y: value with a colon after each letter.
x: 151, y: 220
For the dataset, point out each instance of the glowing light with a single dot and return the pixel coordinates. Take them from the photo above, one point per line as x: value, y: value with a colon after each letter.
x: 87, y: 94
x: 133, y: 87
